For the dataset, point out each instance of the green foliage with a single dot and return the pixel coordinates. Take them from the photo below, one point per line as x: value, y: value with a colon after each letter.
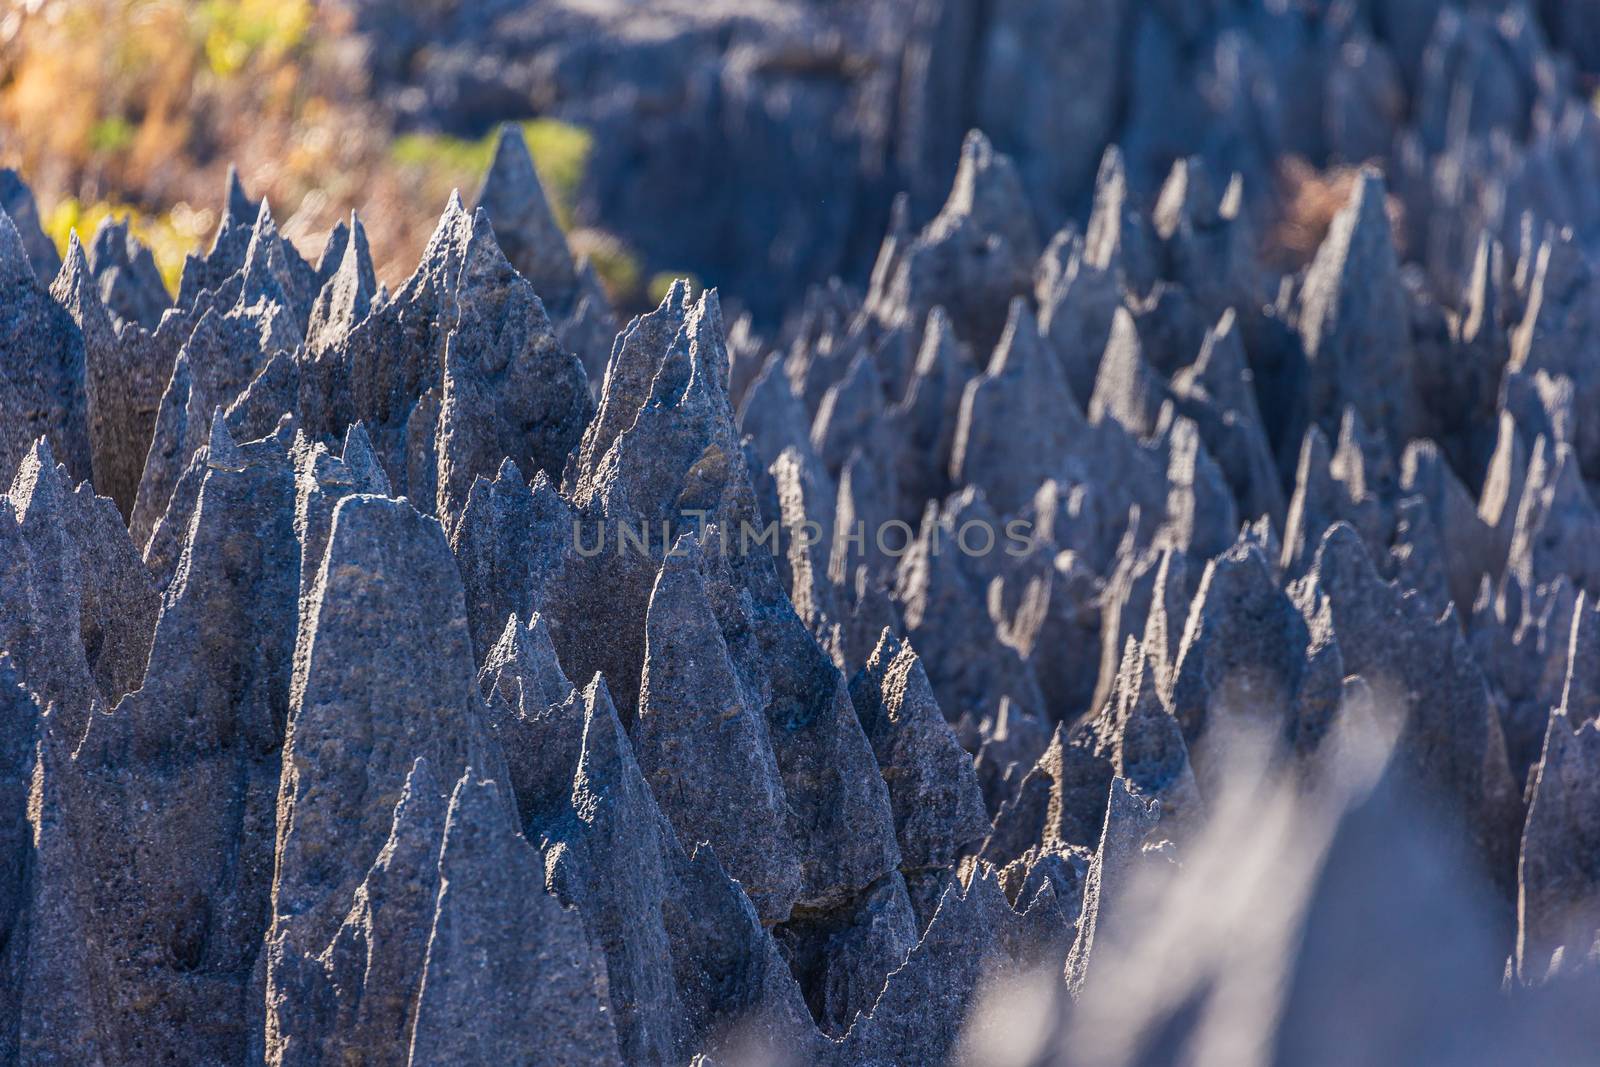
x: 169, y: 237
x: 236, y: 32
x: 661, y: 281
x: 619, y: 271
x: 441, y: 153
x: 560, y: 154
x: 112, y: 134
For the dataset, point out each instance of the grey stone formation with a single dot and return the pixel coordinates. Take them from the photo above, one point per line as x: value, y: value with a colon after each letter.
x: 17, y: 201
x: 693, y: 724
x: 43, y: 391
x: 1141, y: 609
x: 509, y: 976
x: 126, y: 276
x: 933, y: 788
x: 1556, y: 876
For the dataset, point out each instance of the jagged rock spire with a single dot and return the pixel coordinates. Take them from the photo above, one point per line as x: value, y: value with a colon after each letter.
x: 347, y: 295
x: 1145, y: 742
x: 945, y: 615
x: 1128, y: 818
x: 1018, y: 420
x: 924, y: 421
x: 1218, y: 393
x: 17, y: 203
x: 116, y: 386
x: 536, y: 716
x: 1558, y: 884
x: 508, y: 388
x: 1118, y: 238
x: 1126, y: 388
x: 611, y: 855
x: 974, y: 935
x: 127, y: 275
x: 1556, y: 521
x: 693, y: 724
x: 78, y: 605
x: 361, y: 712
x: 973, y: 258
x: 850, y: 415
x: 1353, y: 318
x: 524, y: 225
x: 1422, y: 676
x: 933, y: 789
x: 43, y: 391
x: 374, y: 964
x: 1060, y: 803
x: 803, y: 564
x: 508, y: 968
x: 1243, y: 648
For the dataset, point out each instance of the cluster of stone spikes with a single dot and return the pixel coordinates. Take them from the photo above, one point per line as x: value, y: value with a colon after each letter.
x: 1103, y: 622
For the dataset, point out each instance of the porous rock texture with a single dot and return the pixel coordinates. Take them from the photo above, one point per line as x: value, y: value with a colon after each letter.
x: 1095, y: 641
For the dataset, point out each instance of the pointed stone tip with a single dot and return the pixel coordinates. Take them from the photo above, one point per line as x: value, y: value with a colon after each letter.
x: 222, y: 451
x: 509, y: 135
x: 111, y: 229
x: 454, y: 206
x: 1186, y: 196
x: 1126, y: 799
x: 605, y: 743
x: 475, y: 808
x: 1232, y: 202
x: 219, y: 428
x: 1352, y: 428
x: 1133, y: 655
x: 886, y: 651
x: 1227, y: 326
x: 1018, y: 341
x: 1123, y: 329
x: 510, y: 637
x: 239, y: 207
x: 39, y: 478
x: 511, y: 167
x: 356, y: 439
x: 1315, y: 454
x: 510, y: 474
x: 41, y: 454
x: 709, y: 305
x: 677, y: 295
x: 1370, y: 184
x: 1341, y: 546
x: 14, y: 263
x: 1112, y: 169
x: 976, y: 145
x: 420, y: 781
x: 1367, y: 210
x: 596, y: 691
x: 685, y: 554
